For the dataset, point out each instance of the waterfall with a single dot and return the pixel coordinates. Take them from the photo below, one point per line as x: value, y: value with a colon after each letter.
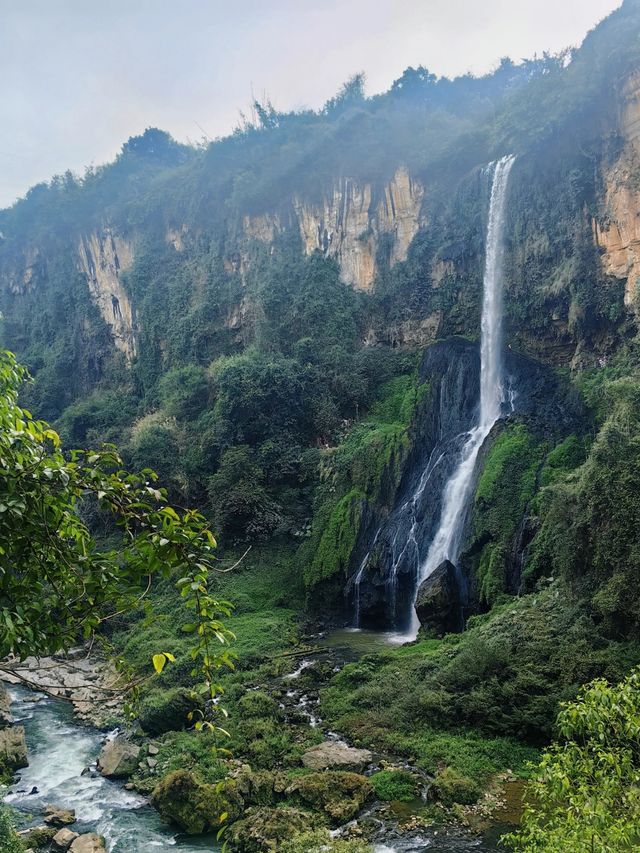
x: 446, y: 542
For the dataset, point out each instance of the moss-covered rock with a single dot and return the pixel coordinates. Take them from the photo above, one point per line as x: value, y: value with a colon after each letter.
x: 338, y: 794
x: 394, y: 785
x: 263, y: 830
x: 193, y: 805
x: 259, y: 787
x: 169, y: 711
x: 451, y: 787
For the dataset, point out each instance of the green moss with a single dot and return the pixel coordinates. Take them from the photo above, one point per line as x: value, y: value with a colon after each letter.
x: 339, y: 795
x: 169, y: 711
x: 338, y: 539
x: 505, y: 488
x: 398, y: 785
x: 193, y: 805
x: 321, y: 841
x: 451, y: 787
x: 264, y: 829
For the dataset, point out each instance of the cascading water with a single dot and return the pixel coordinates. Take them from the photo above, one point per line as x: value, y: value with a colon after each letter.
x: 446, y: 542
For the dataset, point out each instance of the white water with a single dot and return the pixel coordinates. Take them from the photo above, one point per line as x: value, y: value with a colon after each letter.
x: 446, y: 542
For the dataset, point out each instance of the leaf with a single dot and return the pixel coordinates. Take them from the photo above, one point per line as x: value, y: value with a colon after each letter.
x: 159, y: 662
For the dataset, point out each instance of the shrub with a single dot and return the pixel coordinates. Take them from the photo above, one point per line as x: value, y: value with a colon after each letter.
x: 398, y: 785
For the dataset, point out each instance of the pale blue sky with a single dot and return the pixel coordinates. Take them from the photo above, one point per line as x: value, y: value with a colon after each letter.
x: 78, y: 77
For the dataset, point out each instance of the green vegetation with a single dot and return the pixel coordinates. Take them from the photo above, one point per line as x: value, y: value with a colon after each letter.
x: 585, y: 794
x: 9, y: 840
x: 397, y: 785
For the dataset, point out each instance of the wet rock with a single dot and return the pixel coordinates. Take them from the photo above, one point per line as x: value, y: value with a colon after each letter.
x: 438, y: 601
x: 13, y: 748
x: 59, y: 817
x: 338, y: 794
x: 263, y: 830
x: 193, y: 805
x: 5, y: 707
x: 89, y: 843
x: 64, y: 838
x: 336, y: 755
x: 118, y: 758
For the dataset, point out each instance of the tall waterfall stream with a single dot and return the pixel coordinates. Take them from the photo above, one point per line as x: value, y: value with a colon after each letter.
x: 446, y: 542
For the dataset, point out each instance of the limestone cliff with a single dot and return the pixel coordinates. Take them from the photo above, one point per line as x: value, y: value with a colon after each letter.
x: 349, y: 223
x: 103, y: 256
x: 617, y: 229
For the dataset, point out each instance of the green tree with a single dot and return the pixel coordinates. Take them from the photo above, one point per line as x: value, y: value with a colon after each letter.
x: 56, y: 584
x: 586, y: 795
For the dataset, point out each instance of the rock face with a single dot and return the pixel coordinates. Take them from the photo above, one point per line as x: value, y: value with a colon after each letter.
x: 118, y: 758
x: 335, y: 755
x: 617, y: 231
x: 438, y: 601
x: 350, y: 222
x: 103, y: 256
x: 13, y: 748
x: 89, y: 843
x: 63, y: 839
x: 5, y: 707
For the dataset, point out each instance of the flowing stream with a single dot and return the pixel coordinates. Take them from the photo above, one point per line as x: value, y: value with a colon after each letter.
x: 446, y: 542
x: 59, y: 751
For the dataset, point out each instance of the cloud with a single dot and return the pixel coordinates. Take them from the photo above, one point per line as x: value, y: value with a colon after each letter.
x: 77, y: 79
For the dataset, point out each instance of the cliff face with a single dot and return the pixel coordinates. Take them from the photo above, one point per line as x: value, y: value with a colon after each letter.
x: 102, y: 257
x: 351, y: 223
x: 617, y: 230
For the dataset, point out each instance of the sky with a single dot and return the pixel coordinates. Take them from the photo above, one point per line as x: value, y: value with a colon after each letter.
x: 79, y: 77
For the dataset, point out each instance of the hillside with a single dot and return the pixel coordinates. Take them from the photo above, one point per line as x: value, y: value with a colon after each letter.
x: 285, y: 325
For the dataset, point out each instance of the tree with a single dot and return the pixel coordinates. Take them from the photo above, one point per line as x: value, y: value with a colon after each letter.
x: 56, y: 583
x: 586, y: 795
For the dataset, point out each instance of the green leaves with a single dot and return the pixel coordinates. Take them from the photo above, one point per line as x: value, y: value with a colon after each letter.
x: 160, y: 660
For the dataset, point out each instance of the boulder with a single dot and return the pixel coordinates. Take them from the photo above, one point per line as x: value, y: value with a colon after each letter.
x: 438, y: 601
x: 59, y: 817
x: 338, y: 794
x: 118, y: 758
x: 169, y: 711
x: 195, y: 806
x: 64, y: 838
x: 336, y: 755
x: 262, y: 830
x: 5, y: 707
x: 38, y: 837
x: 13, y: 748
x: 89, y: 843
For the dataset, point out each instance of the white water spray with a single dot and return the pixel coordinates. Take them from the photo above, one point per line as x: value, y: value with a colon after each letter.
x: 446, y: 542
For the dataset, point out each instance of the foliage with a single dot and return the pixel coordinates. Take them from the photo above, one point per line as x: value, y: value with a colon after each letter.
x: 9, y: 840
x: 586, y: 793
x: 397, y: 785
x: 321, y: 841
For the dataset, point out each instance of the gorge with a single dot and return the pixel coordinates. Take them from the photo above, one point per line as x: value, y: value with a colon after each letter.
x: 388, y: 351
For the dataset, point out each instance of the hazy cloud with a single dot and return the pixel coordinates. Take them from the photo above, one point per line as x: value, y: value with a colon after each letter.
x: 78, y: 77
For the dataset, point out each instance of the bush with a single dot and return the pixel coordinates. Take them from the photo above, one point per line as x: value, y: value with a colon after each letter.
x: 394, y: 785
x: 450, y: 787
x: 9, y: 840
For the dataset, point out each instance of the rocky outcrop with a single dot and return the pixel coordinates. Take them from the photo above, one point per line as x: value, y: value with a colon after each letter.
x: 90, y: 684
x: 193, y: 805
x: 103, y: 257
x: 89, y: 843
x: 63, y: 839
x: 6, y: 718
x: 264, y: 829
x: 438, y: 601
x: 13, y: 748
x: 118, y: 758
x: 335, y: 755
x: 337, y: 794
x: 350, y: 223
x: 55, y: 816
x: 617, y: 229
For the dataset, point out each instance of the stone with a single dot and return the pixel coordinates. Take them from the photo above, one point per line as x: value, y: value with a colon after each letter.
x: 340, y: 795
x: 193, y: 805
x: 59, y: 817
x: 63, y: 839
x: 118, y: 758
x: 5, y: 707
x: 152, y: 762
x: 153, y: 750
x: 336, y: 755
x: 263, y: 830
x: 438, y: 601
x: 88, y: 843
x: 13, y: 748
